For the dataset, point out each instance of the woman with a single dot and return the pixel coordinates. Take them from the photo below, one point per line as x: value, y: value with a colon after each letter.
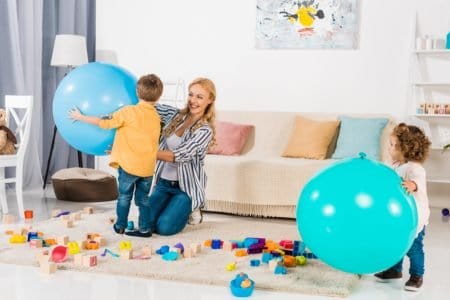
x: 180, y: 178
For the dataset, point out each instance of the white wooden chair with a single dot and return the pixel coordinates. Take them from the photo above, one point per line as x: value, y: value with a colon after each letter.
x: 174, y: 93
x: 18, y: 110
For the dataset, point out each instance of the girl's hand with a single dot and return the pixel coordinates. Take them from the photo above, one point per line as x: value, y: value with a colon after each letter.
x: 409, y: 186
x: 75, y: 114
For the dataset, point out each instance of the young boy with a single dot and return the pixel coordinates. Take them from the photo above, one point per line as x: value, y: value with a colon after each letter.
x: 134, y: 150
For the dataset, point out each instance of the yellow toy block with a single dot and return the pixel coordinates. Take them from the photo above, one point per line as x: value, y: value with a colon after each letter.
x: 17, y: 239
x: 74, y: 248
x: 125, y: 245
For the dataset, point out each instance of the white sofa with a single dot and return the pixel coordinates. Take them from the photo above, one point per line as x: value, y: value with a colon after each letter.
x: 260, y: 182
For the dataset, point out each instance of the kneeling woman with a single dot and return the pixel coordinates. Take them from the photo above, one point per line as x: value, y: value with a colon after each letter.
x: 179, y: 193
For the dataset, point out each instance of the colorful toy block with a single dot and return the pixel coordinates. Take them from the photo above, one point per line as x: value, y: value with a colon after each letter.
x: 36, y: 243
x: 255, y: 262
x: 231, y: 266
x: 31, y: 236
x: 266, y: 257
x: 126, y: 254
x: 92, y: 245
x: 73, y: 247
x: 68, y: 223
x: 170, y: 256
x: 17, y: 239
x: 280, y: 270
x: 196, y: 247
x: 289, y: 261
x: 227, y: 246
x: 216, y: 244
x: 125, y: 245
x: 162, y: 250
x: 188, y: 253
x: 88, y: 210
x: 78, y: 259
x: 48, y: 267
x: 63, y: 240
x: 59, y: 254
x: 147, y: 250
x: 179, y: 246
x: 301, y: 260
x: 240, y: 252
x: 75, y: 216
x: 207, y: 243
x: 89, y: 260
x: 8, y: 219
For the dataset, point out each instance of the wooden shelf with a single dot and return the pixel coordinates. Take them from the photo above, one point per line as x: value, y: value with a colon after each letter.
x: 433, y: 52
x: 432, y: 84
x: 438, y: 179
x: 432, y: 115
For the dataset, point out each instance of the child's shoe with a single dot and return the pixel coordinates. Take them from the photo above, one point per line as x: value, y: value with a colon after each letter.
x: 414, y: 283
x: 388, y: 275
x: 138, y: 233
x: 118, y: 230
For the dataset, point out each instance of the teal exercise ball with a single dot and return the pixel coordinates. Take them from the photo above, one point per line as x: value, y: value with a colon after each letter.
x: 97, y: 89
x: 355, y: 216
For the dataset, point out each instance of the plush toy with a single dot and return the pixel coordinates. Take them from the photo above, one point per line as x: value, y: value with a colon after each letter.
x: 8, y: 140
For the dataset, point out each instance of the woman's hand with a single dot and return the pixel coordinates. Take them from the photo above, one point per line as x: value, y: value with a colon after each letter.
x: 165, y: 155
x: 409, y: 186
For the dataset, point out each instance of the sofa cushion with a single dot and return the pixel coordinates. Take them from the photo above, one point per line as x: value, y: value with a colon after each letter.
x: 310, y: 138
x: 230, y: 138
x: 359, y: 135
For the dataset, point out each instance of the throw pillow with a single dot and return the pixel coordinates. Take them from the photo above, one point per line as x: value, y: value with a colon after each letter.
x: 230, y: 138
x: 359, y: 135
x: 310, y: 138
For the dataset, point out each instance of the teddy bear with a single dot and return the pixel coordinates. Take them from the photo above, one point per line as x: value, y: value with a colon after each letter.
x: 8, y: 140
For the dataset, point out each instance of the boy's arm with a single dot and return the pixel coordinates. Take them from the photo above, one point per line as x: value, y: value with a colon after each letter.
x: 166, y: 112
x: 76, y: 115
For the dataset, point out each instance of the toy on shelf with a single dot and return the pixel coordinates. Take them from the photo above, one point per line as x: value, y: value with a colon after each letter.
x: 242, y: 285
x: 107, y: 251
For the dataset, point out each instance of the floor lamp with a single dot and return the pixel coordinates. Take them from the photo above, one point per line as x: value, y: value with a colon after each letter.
x: 69, y: 51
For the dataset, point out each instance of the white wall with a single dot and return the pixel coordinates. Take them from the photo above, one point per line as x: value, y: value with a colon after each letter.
x: 191, y: 38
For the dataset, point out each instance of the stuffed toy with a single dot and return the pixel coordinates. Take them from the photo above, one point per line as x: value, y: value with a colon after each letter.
x: 8, y: 140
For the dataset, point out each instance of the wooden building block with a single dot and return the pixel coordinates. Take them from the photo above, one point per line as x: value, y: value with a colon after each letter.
x: 88, y: 210
x: 8, y: 219
x: 78, y: 259
x: 68, y: 223
x: 146, y: 250
x: 126, y: 254
x: 48, y: 267
x: 63, y: 240
x: 89, y: 260
x: 36, y: 243
x: 76, y: 216
x: 188, y: 253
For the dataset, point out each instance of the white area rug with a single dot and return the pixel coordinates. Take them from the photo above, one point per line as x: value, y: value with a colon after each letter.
x: 207, y: 268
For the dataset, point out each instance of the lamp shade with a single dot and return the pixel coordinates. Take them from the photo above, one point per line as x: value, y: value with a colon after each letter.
x: 69, y: 50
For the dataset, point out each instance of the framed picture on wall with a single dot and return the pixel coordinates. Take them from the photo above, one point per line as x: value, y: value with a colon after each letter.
x: 306, y: 24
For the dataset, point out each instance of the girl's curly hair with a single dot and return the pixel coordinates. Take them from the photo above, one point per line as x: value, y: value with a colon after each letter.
x: 412, y: 142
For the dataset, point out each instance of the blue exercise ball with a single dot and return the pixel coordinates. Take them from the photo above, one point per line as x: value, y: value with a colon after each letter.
x: 355, y: 216
x: 97, y: 89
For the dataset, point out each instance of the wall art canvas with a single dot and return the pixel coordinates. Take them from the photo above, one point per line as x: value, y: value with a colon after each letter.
x: 307, y: 24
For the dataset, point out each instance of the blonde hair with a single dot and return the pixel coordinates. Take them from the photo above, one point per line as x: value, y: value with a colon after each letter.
x: 209, y: 116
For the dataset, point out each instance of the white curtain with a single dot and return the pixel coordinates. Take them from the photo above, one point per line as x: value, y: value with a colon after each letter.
x: 21, y: 71
x: 27, y: 33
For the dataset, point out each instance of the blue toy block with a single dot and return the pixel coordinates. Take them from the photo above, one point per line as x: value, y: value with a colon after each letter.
x: 170, y: 256
x: 164, y: 249
x: 216, y: 244
x: 255, y: 262
x: 32, y: 236
x: 266, y: 257
x: 280, y: 270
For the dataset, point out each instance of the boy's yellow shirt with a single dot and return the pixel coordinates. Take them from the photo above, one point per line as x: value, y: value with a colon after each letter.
x: 137, y: 138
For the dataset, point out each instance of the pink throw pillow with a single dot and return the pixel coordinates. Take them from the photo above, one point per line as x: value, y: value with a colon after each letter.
x: 230, y: 138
